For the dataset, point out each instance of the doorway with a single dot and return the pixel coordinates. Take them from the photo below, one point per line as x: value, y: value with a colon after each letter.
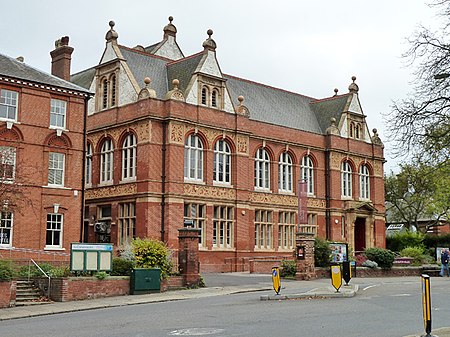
x: 360, y: 234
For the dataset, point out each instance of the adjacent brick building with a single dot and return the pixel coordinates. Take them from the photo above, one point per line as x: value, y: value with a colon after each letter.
x: 42, y: 132
x: 172, y: 140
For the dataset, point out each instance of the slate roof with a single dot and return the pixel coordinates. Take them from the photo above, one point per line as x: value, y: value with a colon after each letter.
x: 266, y: 104
x: 275, y: 106
x: 328, y: 108
x: 183, y: 70
x: 143, y: 65
x: 15, y: 69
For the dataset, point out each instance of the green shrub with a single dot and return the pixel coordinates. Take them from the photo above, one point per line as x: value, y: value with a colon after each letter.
x: 322, y: 253
x: 152, y: 254
x: 6, y: 270
x: 101, y: 275
x: 59, y: 272
x: 433, y: 241
x: 288, y: 268
x: 121, y: 267
x: 402, y: 240
x: 383, y: 257
x: 417, y: 253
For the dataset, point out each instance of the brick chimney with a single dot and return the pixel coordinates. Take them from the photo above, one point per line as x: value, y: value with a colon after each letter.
x: 61, y: 57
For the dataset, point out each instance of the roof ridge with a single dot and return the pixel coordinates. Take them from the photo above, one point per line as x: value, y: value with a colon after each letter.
x: 184, y: 58
x: 318, y: 100
x: 144, y: 53
x: 268, y: 86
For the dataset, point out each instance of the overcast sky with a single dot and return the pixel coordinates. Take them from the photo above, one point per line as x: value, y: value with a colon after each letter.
x: 309, y: 47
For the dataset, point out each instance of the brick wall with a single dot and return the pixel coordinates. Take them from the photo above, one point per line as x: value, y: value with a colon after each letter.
x: 7, y: 293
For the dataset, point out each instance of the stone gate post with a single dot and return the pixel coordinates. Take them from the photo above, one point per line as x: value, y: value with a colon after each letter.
x: 305, y: 256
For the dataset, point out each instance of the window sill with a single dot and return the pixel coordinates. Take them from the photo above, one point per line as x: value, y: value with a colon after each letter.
x: 193, y: 181
x: 54, y: 248
x: 346, y: 198
x: 364, y: 199
x: 285, y: 192
x: 105, y: 183
x: 57, y: 187
x: 59, y: 130
x: 263, y: 190
x: 264, y: 249
x: 219, y: 184
x: 223, y: 248
x: 6, y: 247
x: 128, y: 180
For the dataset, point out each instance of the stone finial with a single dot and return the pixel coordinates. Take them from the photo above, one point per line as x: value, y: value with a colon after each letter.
x: 241, y: 109
x: 335, y: 91
x: 170, y: 29
x: 376, y: 138
x: 111, y: 35
x: 209, y: 43
x: 147, y: 92
x: 353, y: 87
x: 64, y: 41
x: 333, y: 129
x: 20, y: 58
x: 175, y: 93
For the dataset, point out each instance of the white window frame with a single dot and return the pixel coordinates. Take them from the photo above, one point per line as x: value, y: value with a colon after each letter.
x: 56, y: 168
x: 127, y: 222
x: 107, y: 162
x: 222, y: 163
x: 9, y: 100
x: 223, y: 219
x: 346, y: 180
x: 263, y: 229
x: 58, y: 113
x: 307, y: 173
x: 6, y: 224
x: 286, y: 230
x: 89, y: 154
x: 262, y: 170
x: 285, y: 177
x: 193, y: 159
x: 8, y: 159
x: 56, y: 223
x: 197, y: 213
x: 129, y: 150
x: 364, y: 182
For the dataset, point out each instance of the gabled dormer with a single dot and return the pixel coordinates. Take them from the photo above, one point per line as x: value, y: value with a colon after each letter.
x: 168, y: 47
x: 201, y: 79
x: 113, y: 82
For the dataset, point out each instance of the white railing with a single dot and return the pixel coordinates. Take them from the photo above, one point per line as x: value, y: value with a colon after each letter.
x: 43, y: 272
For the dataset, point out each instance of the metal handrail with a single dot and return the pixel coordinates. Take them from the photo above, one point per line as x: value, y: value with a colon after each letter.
x: 43, y: 272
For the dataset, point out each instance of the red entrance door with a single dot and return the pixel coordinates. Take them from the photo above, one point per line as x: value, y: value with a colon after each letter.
x: 360, y: 234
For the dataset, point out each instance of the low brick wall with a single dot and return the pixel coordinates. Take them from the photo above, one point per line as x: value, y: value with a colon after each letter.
x: 376, y: 272
x: 81, y: 288
x: 263, y: 265
x: 8, y: 293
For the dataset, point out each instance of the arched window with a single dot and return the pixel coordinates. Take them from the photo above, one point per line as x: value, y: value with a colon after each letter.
x: 352, y: 129
x: 222, y: 162
x: 104, y: 94
x: 346, y: 180
x: 364, y: 182
x: 106, y: 162
x: 214, y: 97
x: 88, y: 178
x: 285, y: 173
x: 113, y: 90
x: 262, y: 169
x: 358, y: 131
x: 129, y: 158
x: 193, y: 158
x: 204, y: 95
x: 307, y: 174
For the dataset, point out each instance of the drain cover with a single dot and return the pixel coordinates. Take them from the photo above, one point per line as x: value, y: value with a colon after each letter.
x: 195, y: 332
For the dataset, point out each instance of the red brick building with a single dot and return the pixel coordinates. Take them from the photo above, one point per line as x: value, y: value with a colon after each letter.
x: 171, y: 138
x: 42, y: 131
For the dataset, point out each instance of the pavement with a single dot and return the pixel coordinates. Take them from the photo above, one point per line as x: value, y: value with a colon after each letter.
x: 216, y: 285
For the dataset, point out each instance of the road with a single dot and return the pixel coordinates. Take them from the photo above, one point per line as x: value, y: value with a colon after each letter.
x: 382, y: 308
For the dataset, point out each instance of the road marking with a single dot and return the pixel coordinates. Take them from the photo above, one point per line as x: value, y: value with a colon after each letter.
x: 400, y: 295
x: 368, y: 287
x: 195, y: 332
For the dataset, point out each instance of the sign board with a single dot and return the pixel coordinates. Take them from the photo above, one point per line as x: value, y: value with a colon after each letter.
x: 426, y: 303
x: 339, y: 252
x: 91, y: 256
x: 300, y: 252
x: 276, y: 279
x: 336, y: 277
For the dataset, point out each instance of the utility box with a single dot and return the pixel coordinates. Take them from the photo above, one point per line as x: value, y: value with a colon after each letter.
x: 145, y: 281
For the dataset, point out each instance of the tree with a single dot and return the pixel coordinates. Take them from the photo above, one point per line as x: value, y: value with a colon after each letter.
x: 419, y: 193
x: 420, y: 124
